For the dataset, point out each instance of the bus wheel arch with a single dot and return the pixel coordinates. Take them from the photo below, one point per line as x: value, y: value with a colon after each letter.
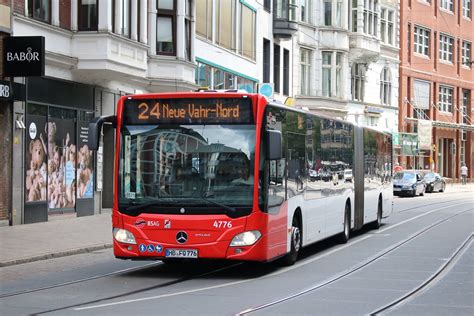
x: 296, y: 239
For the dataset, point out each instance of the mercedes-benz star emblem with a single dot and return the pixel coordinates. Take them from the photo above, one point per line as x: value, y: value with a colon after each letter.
x: 181, y: 237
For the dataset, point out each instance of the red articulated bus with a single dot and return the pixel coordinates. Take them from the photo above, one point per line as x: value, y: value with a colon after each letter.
x: 230, y: 175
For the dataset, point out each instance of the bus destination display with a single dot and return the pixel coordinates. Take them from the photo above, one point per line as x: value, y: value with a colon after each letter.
x: 188, y: 111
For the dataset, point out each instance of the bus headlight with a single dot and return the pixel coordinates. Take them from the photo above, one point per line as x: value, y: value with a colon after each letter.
x: 246, y: 238
x: 124, y: 236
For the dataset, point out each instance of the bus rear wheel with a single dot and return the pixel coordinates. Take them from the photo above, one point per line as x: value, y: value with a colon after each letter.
x: 344, y: 236
x: 290, y: 258
x: 378, y: 222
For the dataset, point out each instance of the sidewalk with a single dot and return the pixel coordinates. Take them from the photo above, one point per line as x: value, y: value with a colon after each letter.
x: 59, y: 237
x: 69, y: 235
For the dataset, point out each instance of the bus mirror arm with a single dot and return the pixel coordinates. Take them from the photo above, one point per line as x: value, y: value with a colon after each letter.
x: 95, y: 128
x: 274, y: 142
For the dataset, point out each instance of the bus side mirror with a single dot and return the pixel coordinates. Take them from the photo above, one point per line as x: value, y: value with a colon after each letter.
x: 95, y: 128
x: 274, y: 142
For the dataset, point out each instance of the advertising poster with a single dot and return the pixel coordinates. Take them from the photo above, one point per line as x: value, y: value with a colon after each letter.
x: 409, y: 143
x: 36, y: 159
x: 85, y: 170
x: 425, y: 129
x: 61, y: 163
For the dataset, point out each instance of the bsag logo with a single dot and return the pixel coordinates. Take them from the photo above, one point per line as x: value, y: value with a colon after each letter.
x: 140, y: 222
x: 29, y: 56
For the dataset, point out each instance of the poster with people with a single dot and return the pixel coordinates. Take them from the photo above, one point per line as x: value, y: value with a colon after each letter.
x: 36, y: 159
x: 61, y: 163
x: 85, y: 174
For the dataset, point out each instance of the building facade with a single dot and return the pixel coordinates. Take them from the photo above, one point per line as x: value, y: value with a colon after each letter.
x: 98, y: 51
x: 436, y: 85
x: 95, y: 52
x: 347, y: 57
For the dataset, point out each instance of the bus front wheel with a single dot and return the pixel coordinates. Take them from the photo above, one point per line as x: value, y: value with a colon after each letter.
x: 290, y: 258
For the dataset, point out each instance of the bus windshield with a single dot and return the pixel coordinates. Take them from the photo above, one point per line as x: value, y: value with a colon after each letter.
x: 200, y: 168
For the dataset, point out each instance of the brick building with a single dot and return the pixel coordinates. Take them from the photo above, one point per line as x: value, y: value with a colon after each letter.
x: 436, y: 85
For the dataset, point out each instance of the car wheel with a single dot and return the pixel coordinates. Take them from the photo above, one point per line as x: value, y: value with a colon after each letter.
x: 290, y: 258
x: 422, y: 191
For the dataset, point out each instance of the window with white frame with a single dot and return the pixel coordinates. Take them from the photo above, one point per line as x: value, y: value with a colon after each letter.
x: 338, y: 19
x: 126, y: 17
x: 358, y: 82
x: 466, y: 99
x: 332, y: 74
x: 385, y: 86
x: 387, y: 22
x: 339, y: 87
x: 445, y: 99
x: 327, y: 79
x: 447, y: 5
x: 286, y: 9
x: 165, y: 27
x: 305, y: 71
x: 467, y: 8
x: 354, y: 16
x: 422, y: 41
x: 332, y: 13
x: 40, y: 10
x: 327, y: 12
x: 370, y: 17
x: 305, y: 10
x: 372, y: 120
x: 446, y: 44
x: 87, y: 15
x: 466, y: 53
x: 187, y: 28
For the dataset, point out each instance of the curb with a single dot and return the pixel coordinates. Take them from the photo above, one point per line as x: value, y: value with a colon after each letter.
x: 55, y: 255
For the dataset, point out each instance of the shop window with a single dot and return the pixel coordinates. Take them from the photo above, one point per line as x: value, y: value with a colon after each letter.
x: 40, y: 10
x: 87, y: 11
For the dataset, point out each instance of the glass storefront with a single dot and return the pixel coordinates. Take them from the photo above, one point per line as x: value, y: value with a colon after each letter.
x: 59, y: 165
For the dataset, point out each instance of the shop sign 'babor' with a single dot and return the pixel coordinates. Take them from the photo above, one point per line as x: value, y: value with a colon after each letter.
x: 24, y: 56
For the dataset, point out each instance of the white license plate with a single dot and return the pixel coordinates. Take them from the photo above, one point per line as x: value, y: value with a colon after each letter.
x: 181, y: 253
x: 397, y: 189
